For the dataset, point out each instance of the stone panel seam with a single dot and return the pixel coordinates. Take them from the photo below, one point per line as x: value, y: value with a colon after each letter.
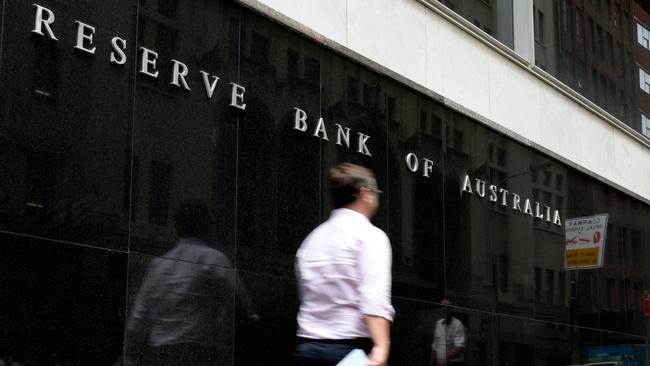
x: 2, y: 33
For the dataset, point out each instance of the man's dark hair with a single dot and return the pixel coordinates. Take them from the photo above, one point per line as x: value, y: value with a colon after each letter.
x: 345, y: 180
x: 193, y: 219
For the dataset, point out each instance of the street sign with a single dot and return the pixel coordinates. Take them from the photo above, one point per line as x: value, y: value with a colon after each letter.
x: 585, y: 242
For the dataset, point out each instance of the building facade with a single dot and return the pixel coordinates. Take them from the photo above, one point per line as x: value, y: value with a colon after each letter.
x: 131, y: 130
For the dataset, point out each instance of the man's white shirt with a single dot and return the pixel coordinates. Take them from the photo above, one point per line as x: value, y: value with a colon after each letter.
x: 344, y: 273
x: 447, y: 336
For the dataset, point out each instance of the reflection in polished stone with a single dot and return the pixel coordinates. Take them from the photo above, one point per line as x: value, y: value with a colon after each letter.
x: 448, y: 347
x: 183, y: 309
x: 65, y: 122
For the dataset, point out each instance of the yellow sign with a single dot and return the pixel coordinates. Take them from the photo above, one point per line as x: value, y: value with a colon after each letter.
x: 582, y: 257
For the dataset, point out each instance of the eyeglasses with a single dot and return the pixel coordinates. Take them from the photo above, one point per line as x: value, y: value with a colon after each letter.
x: 378, y: 191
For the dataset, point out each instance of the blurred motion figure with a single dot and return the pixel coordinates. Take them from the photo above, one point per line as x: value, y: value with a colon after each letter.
x: 183, y: 310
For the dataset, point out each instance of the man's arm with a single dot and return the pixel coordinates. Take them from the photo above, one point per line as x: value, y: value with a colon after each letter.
x: 375, y: 289
x: 454, y: 352
x: 379, y: 329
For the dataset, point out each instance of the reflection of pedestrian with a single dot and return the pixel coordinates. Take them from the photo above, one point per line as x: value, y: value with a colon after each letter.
x: 448, y: 338
x: 344, y: 276
x: 183, y: 309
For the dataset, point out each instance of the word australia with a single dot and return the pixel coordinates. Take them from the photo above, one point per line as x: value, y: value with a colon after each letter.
x: 507, y: 198
x: 44, y: 20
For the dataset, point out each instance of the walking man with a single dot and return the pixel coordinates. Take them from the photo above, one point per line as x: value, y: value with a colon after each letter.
x: 343, y: 269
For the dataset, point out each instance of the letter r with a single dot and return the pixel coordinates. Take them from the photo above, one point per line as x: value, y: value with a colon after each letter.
x: 40, y: 21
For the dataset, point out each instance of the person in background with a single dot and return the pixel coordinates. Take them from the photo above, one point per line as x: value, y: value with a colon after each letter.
x: 343, y: 269
x: 448, y: 338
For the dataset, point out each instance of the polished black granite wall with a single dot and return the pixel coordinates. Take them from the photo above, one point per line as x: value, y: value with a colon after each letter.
x: 97, y: 158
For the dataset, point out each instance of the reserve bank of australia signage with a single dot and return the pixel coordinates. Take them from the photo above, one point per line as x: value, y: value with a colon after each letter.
x: 44, y: 20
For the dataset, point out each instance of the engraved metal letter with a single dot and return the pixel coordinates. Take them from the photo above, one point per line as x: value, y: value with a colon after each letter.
x: 83, y: 35
x: 493, y: 193
x: 119, y: 49
x: 39, y: 21
x: 504, y: 196
x: 237, y: 96
x: 411, y: 162
x: 528, y: 209
x: 179, y: 72
x: 300, y: 120
x: 342, y: 133
x: 428, y: 167
x: 556, y: 218
x: 209, y: 85
x: 515, y: 202
x: 148, y: 60
x: 480, y: 187
x: 467, y: 185
x: 320, y: 129
x: 538, y: 212
x: 363, y: 149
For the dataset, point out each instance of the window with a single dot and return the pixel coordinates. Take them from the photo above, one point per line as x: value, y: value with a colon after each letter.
x: 610, y: 46
x: 458, y: 140
x: 550, y: 285
x: 260, y: 49
x: 504, y: 270
x: 436, y: 125
x: 424, y: 128
x: 45, y: 77
x: 547, y: 178
x: 644, y: 80
x: 371, y: 95
x: 390, y: 107
x: 159, y: 188
x: 601, y: 43
x: 643, y: 36
x: 592, y: 35
x: 292, y: 64
x: 501, y: 157
x: 168, y: 8
x: 540, y: 26
x: 353, y: 89
x: 580, y: 74
x: 579, y: 31
x: 312, y: 70
x: 561, y: 291
x: 594, y: 83
x: 538, y: 284
x: 645, y: 125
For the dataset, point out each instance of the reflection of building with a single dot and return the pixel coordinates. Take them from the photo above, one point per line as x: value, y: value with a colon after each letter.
x: 642, y: 58
x: 487, y: 15
x: 98, y: 156
x: 589, y: 48
x: 49, y: 186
